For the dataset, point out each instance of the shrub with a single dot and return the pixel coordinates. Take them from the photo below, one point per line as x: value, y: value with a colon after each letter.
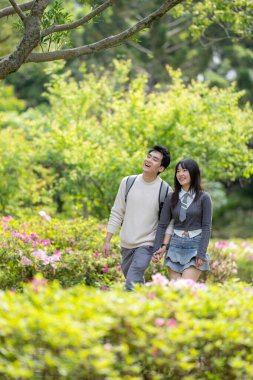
x: 68, y: 251
x: 164, y: 331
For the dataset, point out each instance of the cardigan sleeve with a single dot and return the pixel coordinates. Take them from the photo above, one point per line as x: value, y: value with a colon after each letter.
x: 163, y: 223
x: 206, y: 223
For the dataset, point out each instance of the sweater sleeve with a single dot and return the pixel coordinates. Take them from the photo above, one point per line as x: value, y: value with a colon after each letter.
x: 118, y: 209
x: 163, y: 223
x: 206, y: 224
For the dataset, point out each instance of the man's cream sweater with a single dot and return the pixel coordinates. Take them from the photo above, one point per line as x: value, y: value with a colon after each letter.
x: 138, y: 217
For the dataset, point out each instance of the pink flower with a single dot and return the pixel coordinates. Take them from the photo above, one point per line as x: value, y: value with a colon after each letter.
x: 96, y: 254
x: 159, y: 322
x: 171, y: 322
x: 40, y: 255
x: 119, y: 268
x: 221, y: 244
x: 158, y: 278
x: 250, y: 257
x: 69, y: 250
x: 105, y: 269
x: 57, y: 252
x: 46, y: 242
x: 6, y: 228
x: 25, y: 261
x: 103, y: 287
x: 44, y: 215
x: 33, y: 236
x: 151, y: 295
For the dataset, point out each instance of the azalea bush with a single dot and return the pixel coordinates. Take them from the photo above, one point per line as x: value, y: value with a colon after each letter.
x: 69, y: 251
x: 163, y: 331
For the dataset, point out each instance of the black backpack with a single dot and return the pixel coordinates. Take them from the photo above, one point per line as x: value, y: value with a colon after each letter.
x: 163, y: 192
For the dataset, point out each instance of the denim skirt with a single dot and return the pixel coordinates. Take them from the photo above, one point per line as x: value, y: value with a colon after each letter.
x: 182, y: 254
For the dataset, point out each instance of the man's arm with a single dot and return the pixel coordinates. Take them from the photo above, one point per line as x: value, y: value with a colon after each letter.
x: 116, y: 217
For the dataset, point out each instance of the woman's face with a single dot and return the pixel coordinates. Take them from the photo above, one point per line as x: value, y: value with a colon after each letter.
x: 183, y: 177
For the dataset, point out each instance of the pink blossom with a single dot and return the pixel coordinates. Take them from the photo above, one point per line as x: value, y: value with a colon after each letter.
x: 119, y: 268
x: 158, y: 278
x: 35, y: 244
x: 221, y: 244
x: 105, y: 269
x: 215, y: 264
x: 151, y: 295
x: 46, y: 242
x: 96, y: 254
x: 69, y: 250
x: 250, y: 257
x: 171, y: 322
x: 25, y: 261
x: 57, y: 252
x: 33, y: 236
x: 40, y: 255
x: 6, y: 228
x: 103, y: 287
x: 44, y: 215
x: 159, y: 322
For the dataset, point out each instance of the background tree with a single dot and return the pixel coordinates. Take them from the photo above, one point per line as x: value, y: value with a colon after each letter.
x: 46, y: 27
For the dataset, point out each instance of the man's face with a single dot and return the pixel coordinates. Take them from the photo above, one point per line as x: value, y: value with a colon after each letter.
x: 153, y: 163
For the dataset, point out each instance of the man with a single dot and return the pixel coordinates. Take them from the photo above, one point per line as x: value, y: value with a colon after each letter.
x: 136, y: 210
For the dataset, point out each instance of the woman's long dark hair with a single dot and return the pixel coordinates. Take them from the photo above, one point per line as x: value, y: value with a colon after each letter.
x: 195, y: 185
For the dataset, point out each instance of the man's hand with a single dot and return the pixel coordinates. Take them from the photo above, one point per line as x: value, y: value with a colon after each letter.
x: 106, y: 249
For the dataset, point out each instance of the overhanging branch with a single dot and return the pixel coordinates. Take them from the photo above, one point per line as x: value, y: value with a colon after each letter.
x: 80, y: 22
x: 8, y: 11
x: 18, y: 10
x: 108, y: 42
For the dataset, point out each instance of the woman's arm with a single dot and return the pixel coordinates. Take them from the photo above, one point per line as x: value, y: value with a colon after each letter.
x: 206, y: 224
x: 163, y: 223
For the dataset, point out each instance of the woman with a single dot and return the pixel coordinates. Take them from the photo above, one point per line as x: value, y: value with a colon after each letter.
x: 191, y: 209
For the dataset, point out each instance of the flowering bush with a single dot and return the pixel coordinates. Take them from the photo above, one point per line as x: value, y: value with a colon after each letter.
x: 68, y: 251
x: 163, y: 331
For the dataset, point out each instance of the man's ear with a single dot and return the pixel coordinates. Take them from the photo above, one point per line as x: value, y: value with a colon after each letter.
x: 161, y: 169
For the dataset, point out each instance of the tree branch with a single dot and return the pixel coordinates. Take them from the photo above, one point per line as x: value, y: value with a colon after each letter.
x: 30, y: 40
x: 80, y: 22
x: 18, y: 10
x: 10, y: 10
x: 105, y: 43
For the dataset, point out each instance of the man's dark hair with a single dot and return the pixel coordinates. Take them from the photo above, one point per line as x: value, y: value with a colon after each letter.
x: 164, y: 151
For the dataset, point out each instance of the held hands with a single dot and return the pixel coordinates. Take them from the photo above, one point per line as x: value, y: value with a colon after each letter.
x: 158, y: 255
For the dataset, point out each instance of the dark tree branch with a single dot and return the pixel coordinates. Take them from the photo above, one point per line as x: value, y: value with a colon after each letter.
x: 30, y: 40
x: 105, y: 43
x: 80, y: 22
x: 18, y: 10
x: 8, y: 11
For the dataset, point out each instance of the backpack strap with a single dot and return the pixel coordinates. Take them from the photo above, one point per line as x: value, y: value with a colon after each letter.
x: 129, y: 184
x: 163, y: 192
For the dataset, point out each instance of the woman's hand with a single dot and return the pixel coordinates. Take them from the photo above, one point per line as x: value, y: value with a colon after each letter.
x: 158, y: 255
x: 199, y: 262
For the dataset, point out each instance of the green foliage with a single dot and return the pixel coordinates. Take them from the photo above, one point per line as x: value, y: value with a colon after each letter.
x: 163, y: 332
x: 56, y: 15
x: 71, y: 155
